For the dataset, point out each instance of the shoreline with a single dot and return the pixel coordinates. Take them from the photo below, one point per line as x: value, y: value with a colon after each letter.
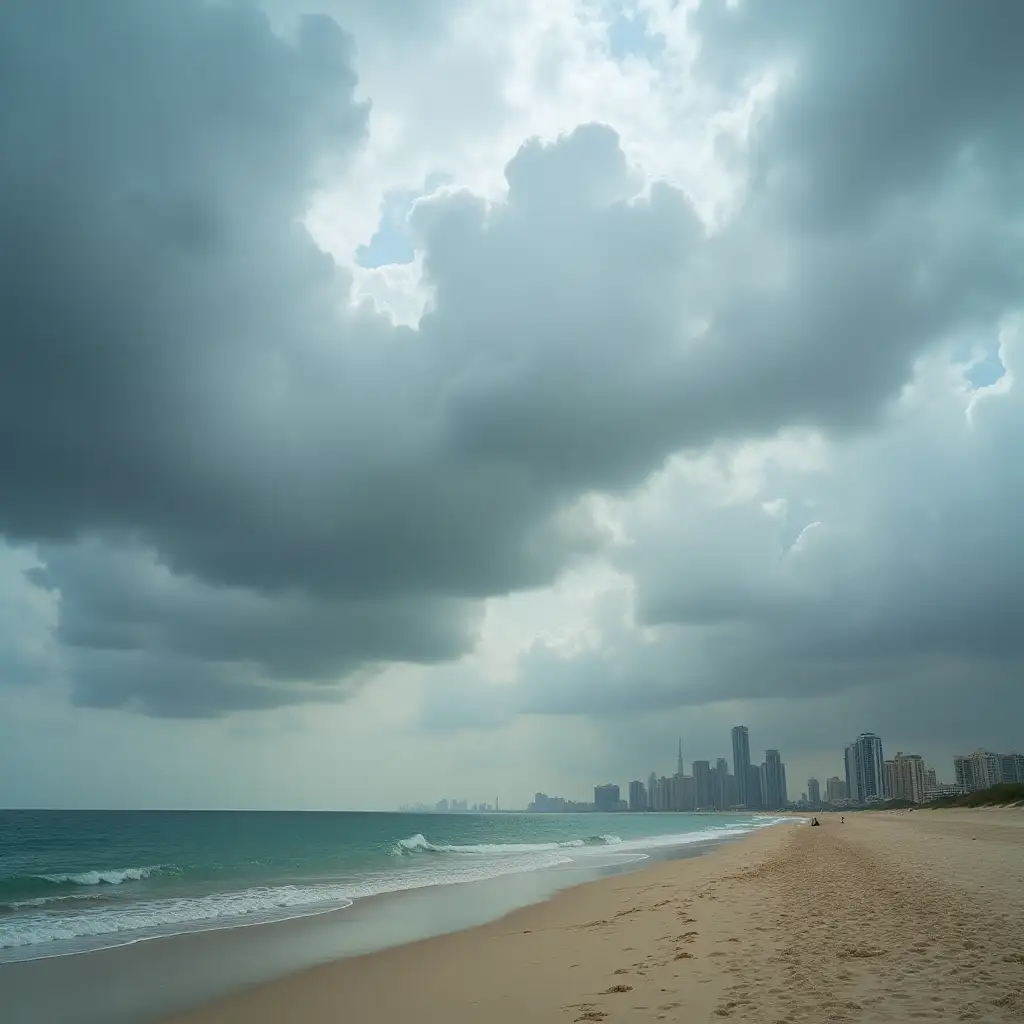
x: 214, y: 963
x: 636, y: 848
x: 888, y: 917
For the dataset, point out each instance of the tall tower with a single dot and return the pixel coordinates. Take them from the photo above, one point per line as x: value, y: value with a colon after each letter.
x: 775, y: 786
x: 870, y: 766
x: 865, y: 768
x: 679, y: 759
x: 741, y: 763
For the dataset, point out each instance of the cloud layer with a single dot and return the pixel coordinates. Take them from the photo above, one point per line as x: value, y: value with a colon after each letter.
x: 247, y: 489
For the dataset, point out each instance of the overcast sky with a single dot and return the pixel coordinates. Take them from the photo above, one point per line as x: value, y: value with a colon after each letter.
x: 469, y: 397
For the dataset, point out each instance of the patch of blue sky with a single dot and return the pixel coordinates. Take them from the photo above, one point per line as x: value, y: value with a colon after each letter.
x: 392, y: 243
x: 986, y: 370
x: 629, y: 35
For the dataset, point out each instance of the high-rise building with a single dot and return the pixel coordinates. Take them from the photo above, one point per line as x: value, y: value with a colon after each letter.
x: 721, y: 783
x: 741, y: 763
x: 931, y: 783
x: 979, y: 770
x: 813, y: 792
x: 1012, y: 767
x: 850, y: 764
x: 703, y: 785
x: 606, y: 797
x: 687, y: 793
x: 753, y: 801
x: 835, y: 790
x: 679, y: 759
x: 773, y: 774
x: 652, y: 782
x: 637, y: 796
x: 908, y: 777
x: 889, y: 786
x: 865, y: 769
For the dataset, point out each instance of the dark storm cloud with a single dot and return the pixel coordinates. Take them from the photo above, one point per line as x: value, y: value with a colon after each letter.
x: 287, y: 492
x: 878, y: 100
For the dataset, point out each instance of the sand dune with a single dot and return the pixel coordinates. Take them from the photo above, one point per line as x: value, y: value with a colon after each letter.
x: 888, y: 917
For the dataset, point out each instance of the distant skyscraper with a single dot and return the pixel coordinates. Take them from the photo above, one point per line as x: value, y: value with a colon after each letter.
x: 889, y: 788
x: 703, y: 785
x: 835, y: 790
x: 774, y: 781
x: 753, y: 801
x: 1012, y: 767
x: 813, y: 792
x: 637, y: 796
x: 686, y: 799
x: 652, y: 784
x: 741, y: 763
x: 721, y: 782
x: 679, y: 758
x: 978, y: 770
x: 606, y: 797
x: 909, y: 781
x: 865, y: 768
x: 850, y: 763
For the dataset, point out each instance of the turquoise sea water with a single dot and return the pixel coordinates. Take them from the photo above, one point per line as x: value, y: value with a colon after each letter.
x: 73, y: 881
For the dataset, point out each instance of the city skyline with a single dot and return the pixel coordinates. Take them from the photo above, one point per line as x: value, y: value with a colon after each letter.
x: 869, y: 777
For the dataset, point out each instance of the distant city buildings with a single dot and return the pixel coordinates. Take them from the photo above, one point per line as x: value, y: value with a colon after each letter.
x: 741, y: 763
x: 448, y: 807
x: 704, y: 791
x: 905, y: 778
x: 606, y: 797
x: 544, y: 804
x: 836, y: 792
x: 773, y: 781
x: 813, y: 792
x: 984, y: 768
x: 710, y: 786
x: 637, y: 796
x: 865, y: 769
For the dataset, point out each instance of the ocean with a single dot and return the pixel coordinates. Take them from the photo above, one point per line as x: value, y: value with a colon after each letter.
x: 72, y: 881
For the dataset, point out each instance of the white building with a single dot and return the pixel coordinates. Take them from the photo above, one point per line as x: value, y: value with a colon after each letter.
x: 979, y: 770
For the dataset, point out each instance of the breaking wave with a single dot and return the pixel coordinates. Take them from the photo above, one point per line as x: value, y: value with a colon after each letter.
x: 111, y: 876
x: 420, y: 844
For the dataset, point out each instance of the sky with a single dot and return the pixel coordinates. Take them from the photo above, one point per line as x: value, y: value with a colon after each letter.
x: 465, y: 398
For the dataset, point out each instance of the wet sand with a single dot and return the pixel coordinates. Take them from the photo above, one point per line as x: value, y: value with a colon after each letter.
x: 888, y: 917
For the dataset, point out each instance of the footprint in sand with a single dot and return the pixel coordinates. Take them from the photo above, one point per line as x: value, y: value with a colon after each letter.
x: 617, y: 988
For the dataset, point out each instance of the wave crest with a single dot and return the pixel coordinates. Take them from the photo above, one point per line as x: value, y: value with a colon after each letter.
x: 419, y: 843
x: 108, y: 876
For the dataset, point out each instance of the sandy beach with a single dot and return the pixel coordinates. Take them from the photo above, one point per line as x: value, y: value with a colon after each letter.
x: 888, y: 917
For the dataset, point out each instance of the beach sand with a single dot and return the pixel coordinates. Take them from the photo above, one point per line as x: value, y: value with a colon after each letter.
x: 888, y: 917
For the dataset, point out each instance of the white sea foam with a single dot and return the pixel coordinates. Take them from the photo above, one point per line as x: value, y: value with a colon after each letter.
x: 419, y: 844
x: 110, y: 876
x: 149, y: 918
